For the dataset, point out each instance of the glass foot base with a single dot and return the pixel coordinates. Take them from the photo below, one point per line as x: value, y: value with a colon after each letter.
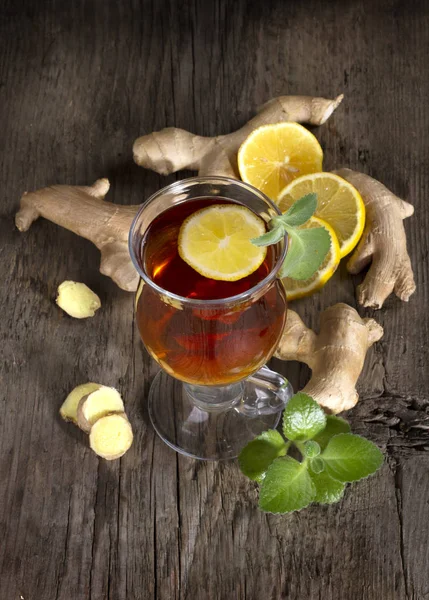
x: 206, y: 435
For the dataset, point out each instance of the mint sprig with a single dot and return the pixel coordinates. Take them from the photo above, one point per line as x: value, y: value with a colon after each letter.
x: 303, y: 418
x: 331, y: 457
x: 328, y: 490
x: 287, y: 486
x: 307, y: 247
x: 334, y: 426
x: 257, y: 456
x: 349, y: 457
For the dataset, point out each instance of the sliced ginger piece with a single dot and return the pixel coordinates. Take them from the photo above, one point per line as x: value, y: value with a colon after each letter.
x: 111, y: 436
x: 77, y: 300
x: 99, y: 403
x: 68, y: 409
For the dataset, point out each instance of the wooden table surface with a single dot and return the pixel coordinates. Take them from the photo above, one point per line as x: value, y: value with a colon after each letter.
x: 79, y: 81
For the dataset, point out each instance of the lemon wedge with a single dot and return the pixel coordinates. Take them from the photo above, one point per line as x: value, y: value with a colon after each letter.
x: 274, y: 155
x: 215, y: 241
x: 298, y: 289
x: 338, y: 203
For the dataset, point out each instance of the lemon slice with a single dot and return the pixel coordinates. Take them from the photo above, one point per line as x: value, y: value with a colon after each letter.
x: 338, y: 203
x: 274, y: 155
x: 298, y: 289
x: 215, y: 241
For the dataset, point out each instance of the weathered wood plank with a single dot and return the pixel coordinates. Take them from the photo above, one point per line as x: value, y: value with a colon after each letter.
x: 412, y: 484
x: 78, y: 83
x: 342, y: 551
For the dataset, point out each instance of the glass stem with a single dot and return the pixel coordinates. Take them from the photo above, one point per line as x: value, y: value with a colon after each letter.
x: 215, y: 398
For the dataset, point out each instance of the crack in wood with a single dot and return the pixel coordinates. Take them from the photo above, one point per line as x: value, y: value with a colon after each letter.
x: 153, y: 516
x: 401, y: 424
x: 179, y: 530
x: 397, y: 475
x: 120, y: 69
x: 94, y: 533
x: 63, y: 566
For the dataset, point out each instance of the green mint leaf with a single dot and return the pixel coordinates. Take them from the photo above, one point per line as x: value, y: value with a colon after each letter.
x: 334, y: 426
x: 300, y: 211
x: 306, y: 252
x: 311, y: 449
x: 303, y: 418
x: 317, y: 465
x: 287, y: 486
x: 271, y: 237
x: 328, y: 490
x: 257, y: 455
x: 349, y: 457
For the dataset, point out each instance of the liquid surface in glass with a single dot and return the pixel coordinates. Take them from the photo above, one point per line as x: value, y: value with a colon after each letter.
x: 204, y: 345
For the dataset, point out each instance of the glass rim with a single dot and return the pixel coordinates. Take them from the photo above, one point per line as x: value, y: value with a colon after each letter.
x: 197, y: 302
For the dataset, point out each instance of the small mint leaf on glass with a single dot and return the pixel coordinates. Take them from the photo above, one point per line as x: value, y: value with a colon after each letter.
x: 303, y: 418
x: 306, y: 252
x: 311, y: 449
x: 257, y: 455
x: 300, y: 211
x: 328, y: 490
x: 287, y: 486
x: 350, y: 457
x: 271, y: 237
x: 334, y: 426
x: 317, y: 465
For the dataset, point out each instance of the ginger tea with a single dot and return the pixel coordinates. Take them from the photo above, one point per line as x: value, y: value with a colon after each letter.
x: 208, y: 345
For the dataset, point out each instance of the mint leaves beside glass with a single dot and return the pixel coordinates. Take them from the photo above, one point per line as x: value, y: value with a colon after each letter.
x: 331, y: 456
x: 307, y: 247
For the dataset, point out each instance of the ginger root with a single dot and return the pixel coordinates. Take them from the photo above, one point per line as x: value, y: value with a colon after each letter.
x: 383, y: 243
x: 111, y: 436
x: 82, y: 209
x: 97, y: 404
x: 68, y: 409
x: 77, y: 300
x: 99, y: 411
x: 173, y: 149
x: 335, y: 356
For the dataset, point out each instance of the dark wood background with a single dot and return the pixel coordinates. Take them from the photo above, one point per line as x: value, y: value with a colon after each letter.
x: 79, y: 81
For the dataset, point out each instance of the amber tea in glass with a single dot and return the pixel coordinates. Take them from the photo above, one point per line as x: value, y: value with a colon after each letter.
x: 204, y: 345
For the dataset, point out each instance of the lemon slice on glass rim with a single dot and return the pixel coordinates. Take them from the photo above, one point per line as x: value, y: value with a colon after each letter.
x: 299, y: 288
x: 215, y: 241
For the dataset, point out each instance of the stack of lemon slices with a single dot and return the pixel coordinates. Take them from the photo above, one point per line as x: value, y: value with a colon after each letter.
x: 284, y: 161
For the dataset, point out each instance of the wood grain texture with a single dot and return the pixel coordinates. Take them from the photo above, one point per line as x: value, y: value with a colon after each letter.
x: 79, y: 81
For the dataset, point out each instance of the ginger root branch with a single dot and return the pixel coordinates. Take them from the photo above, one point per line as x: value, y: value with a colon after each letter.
x: 82, y: 209
x: 383, y: 243
x: 335, y: 356
x: 173, y: 149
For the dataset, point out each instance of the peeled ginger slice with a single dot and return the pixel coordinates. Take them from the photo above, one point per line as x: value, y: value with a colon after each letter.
x: 111, y: 436
x: 97, y: 404
x: 77, y: 300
